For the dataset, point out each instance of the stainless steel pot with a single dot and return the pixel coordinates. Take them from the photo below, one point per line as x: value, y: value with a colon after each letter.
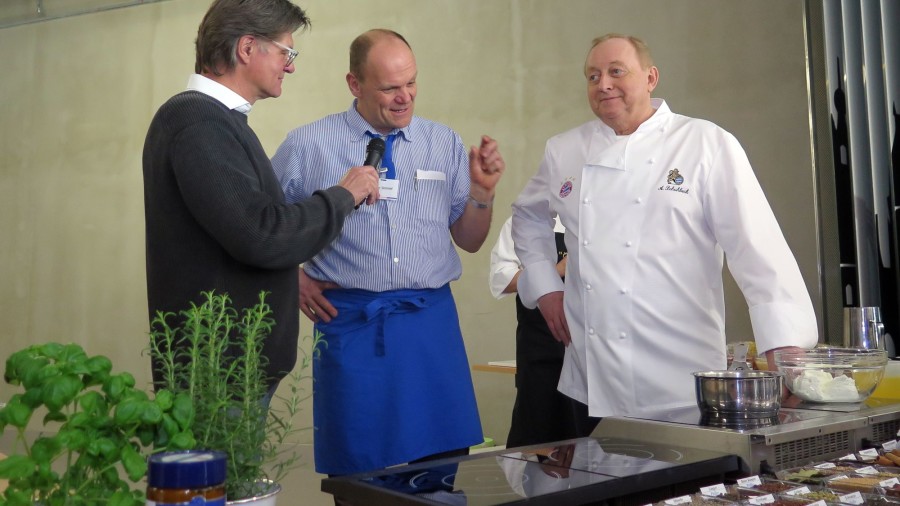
x: 750, y: 393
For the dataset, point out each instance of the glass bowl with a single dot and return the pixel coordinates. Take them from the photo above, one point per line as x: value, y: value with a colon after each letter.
x: 828, y: 375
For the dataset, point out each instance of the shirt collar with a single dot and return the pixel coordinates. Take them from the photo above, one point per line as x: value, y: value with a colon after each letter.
x: 219, y: 92
x: 606, y: 149
x: 661, y: 114
x: 359, y: 126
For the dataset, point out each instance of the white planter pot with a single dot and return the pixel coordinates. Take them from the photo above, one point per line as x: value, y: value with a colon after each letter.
x: 268, y: 491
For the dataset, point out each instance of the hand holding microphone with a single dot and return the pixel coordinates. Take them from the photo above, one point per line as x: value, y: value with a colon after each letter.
x: 362, y: 181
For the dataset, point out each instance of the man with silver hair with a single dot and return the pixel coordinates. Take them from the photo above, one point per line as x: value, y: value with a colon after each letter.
x: 216, y: 218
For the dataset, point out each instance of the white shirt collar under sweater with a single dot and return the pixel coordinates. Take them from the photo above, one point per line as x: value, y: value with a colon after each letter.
x: 219, y: 92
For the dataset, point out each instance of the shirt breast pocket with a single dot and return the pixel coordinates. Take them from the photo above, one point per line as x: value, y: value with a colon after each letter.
x: 432, y: 196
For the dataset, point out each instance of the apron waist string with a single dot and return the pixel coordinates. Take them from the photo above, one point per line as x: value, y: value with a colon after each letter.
x: 359, y: 308
x: 377, y: 311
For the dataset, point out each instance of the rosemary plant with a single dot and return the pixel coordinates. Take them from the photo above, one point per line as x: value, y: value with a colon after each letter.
x: 214, y: 355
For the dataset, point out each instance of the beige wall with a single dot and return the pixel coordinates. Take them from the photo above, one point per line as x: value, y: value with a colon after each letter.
x: 78, y: 93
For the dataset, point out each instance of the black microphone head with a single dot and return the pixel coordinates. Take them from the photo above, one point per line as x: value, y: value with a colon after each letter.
x: 374, y: 152
x: 376, y: 144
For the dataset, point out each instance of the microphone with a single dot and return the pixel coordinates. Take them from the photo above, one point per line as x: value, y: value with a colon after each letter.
x: 374, y: 152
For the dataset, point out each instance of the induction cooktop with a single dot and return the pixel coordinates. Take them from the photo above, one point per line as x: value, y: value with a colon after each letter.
x: 579, y: 471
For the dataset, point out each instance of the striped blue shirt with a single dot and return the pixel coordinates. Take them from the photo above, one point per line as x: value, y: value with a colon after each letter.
x: 394, y: 244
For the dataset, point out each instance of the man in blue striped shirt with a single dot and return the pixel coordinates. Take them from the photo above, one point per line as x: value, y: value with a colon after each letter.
x: 393, y: 384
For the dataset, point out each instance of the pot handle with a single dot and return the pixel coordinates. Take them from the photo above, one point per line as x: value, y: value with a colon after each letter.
x: 876, y: 330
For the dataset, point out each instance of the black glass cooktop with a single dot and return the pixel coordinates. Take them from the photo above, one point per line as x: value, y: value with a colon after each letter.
x: 579, y: 471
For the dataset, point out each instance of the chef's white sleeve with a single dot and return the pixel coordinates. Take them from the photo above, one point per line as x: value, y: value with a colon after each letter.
x: 534, y: 239
x: 758, y: 256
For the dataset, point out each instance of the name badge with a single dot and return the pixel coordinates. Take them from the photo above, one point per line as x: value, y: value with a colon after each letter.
x: 389, y: 189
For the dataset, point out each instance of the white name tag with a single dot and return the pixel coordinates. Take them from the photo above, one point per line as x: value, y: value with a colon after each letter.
x: 389, y: 189
x: 430, y: 174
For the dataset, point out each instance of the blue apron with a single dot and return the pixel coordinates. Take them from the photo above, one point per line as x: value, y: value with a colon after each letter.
x: 392, y: 383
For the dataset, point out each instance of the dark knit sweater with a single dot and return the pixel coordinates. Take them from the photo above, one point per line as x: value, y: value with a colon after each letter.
x: 216, y: 219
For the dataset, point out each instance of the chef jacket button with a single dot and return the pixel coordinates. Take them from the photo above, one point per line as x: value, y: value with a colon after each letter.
x: 591, y: 331
x: 587, y: 286
x: 623, y: 335
x: 586, y: 200
x: 623, y: 291
x: 638, y: 200
x: 396, y: 260
x: 651, y: 160
x: 627, y: 244
x: 585, y: 242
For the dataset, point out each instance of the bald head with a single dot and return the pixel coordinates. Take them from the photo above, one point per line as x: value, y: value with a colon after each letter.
x: 362, y: 45
x: 640, y: 47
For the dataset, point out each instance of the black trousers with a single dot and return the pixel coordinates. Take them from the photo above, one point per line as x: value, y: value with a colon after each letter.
x: 541, y: 414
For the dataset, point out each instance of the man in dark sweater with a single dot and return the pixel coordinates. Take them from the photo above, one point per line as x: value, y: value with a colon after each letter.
x: 216, y: 217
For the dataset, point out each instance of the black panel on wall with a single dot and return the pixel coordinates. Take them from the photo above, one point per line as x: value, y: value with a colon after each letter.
x: 861, y: 57
x: 890, y: 13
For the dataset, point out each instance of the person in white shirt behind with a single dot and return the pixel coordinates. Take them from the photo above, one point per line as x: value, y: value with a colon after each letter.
x: 541, y: 414
x: 652, y: 203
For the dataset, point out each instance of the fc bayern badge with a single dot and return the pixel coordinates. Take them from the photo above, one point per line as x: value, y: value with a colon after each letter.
x: 565, y: 189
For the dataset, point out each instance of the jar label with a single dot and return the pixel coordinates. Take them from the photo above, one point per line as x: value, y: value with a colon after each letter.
x: 196, y: 501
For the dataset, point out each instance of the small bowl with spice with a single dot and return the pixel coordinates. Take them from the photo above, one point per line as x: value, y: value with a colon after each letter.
x: 865, y: 484
x: 888, y: 458
x: 817, y: 494
x: 819, y: 473
x: 832, y: 375
x: 890, y: 490
x: 695, y: 500
x: 764, y: 485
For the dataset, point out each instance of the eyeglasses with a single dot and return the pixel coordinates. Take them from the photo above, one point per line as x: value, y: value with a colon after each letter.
x: 291, y: 52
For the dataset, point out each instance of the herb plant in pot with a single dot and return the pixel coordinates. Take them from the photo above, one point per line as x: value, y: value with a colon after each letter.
x: 213, y: 354
x: 95, y: 424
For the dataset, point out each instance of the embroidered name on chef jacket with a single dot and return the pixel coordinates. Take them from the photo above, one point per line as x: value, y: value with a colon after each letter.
x: 673, y: 183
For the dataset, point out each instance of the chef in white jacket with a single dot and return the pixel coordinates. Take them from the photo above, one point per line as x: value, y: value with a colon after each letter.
x: 652, y: 202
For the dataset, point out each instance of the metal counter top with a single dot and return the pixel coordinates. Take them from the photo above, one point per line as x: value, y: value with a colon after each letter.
x: 797, y: 436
